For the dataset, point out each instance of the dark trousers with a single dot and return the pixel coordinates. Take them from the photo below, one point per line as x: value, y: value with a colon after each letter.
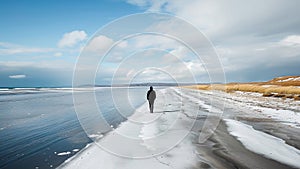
x: 151, y: 106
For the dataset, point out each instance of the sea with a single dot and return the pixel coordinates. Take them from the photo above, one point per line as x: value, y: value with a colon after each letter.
x: 40, y: 129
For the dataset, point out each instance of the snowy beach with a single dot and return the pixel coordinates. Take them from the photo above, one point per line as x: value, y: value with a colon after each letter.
x: 252, y: 132
x: 149, y: 84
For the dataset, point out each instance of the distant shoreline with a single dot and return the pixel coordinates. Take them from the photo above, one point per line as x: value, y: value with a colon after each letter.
x: 106, y: 85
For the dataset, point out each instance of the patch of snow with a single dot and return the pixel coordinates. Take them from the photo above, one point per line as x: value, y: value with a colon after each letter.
x: 290, y: 79
x: 266, y: 86
x: 286, y: 111
x: 285, y: 116
x: 256, y: 141
x: 194, y: 98
x: 286, y: 80
x: 96, y: 136
x: 64, y: 153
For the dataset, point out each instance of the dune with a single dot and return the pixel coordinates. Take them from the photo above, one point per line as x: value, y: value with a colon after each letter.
x: 285, y: 87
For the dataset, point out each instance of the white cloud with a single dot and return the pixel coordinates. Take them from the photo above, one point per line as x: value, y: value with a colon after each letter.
x: 17, y: 76
x: 180, y: 52
x: 55, y: 64
x: 152, y: 5
x: 147, y: 51
x: 58, y: 54
x: 233, y: 17
x: 152, y: 41
x: 251, y: 36
x: 138, y: 2
x: 156, y: 65
x: 292, y: 40
x: 10, y: 49
x: 72, y: 38
x: 123, y: 44
x: 99, y: 44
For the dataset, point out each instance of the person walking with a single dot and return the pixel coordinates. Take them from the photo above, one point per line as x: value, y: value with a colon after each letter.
x: 151, y: 96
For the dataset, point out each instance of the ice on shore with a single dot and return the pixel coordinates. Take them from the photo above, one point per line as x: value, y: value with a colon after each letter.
x: 264, y: 144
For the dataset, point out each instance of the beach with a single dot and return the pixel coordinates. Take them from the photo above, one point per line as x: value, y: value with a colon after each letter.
x: 249, y: 131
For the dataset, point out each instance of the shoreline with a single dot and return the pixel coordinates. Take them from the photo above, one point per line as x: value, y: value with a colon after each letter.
x: 221, y: 149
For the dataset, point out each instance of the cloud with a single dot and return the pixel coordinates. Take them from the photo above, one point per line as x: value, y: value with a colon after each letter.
x: 58, y: 54
x: 10, y: 49
x: 153, y: 65
x: 292, y: 40
x: 250, y: 36
x: 123, y: 44
x: 99, y: 44
x: 152, y: 5
x: 19, y: 65
x: 233, y: 17
x: 138, y: 2
x: 72, y: 38
x: 17, y: 76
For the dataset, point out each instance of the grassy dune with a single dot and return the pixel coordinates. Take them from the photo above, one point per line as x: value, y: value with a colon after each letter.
x: 285, y: 87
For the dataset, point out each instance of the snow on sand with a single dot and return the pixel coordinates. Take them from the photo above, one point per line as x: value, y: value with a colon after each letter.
x: 144, y: 141
x: 264, y: 144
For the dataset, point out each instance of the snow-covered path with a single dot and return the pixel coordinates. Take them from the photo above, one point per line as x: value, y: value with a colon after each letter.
x: 158, y: 140
x: 168, y: 138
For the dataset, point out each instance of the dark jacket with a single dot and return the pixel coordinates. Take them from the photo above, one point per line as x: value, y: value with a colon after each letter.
x: 151, y: 95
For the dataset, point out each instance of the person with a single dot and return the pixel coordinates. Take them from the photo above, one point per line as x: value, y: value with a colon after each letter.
x: 151, y: 96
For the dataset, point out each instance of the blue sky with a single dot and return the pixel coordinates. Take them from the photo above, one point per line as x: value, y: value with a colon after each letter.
x: 31, y: 22
x: 41, y: 40
x: 36, y: 27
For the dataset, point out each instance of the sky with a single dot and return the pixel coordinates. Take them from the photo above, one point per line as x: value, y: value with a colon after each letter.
x: 40, y: 41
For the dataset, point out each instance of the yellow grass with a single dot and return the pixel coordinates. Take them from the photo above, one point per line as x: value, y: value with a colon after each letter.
x: 250, y: 88
x: 273, y: 87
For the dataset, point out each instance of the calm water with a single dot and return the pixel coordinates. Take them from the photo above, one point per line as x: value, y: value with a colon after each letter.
x: 36, y: 125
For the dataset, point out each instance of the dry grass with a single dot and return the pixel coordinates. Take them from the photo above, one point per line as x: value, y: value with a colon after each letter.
x: 278, y: 87
x: 281, y: 81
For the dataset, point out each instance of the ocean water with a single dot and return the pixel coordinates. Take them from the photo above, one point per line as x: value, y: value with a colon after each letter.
x: 39, y: 128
